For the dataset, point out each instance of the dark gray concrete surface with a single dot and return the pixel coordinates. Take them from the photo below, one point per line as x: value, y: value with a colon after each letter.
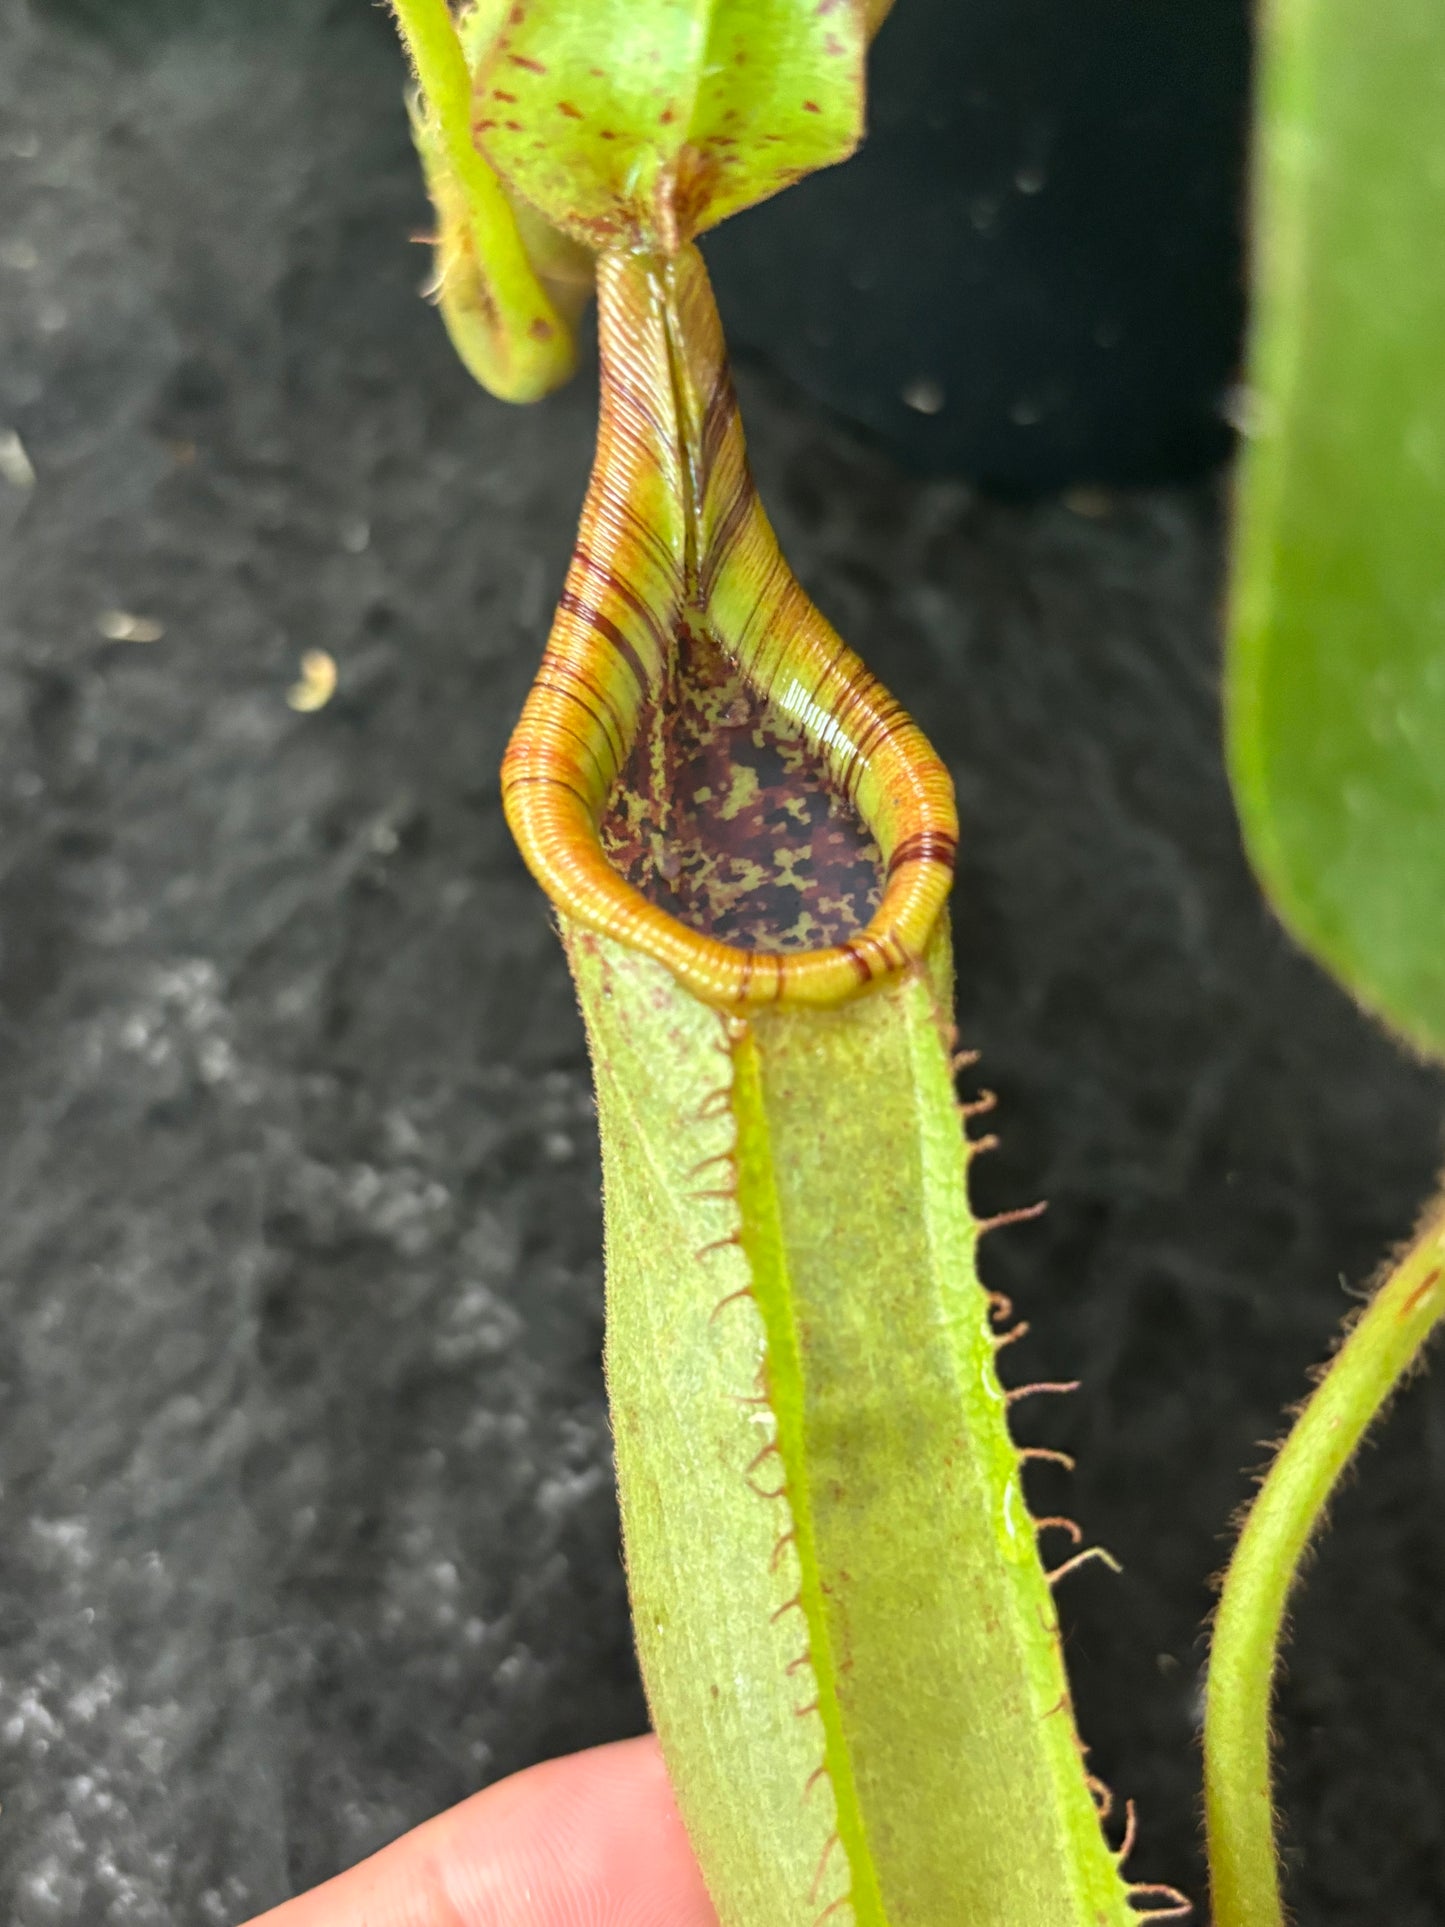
x: 1033, y: 270
x: 308, y: 1526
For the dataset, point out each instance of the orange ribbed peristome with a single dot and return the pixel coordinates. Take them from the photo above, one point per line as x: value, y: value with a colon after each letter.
x: 673, y: 533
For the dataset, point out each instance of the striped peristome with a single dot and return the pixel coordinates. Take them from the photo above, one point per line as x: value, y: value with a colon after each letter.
x: 673, y: 534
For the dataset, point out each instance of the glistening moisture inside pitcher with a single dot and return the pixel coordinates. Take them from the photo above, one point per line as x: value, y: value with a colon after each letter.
x: 726, y: 817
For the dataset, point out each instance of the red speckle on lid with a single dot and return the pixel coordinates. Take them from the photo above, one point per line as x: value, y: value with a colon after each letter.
x: 523, y: 60
x: 539, y: 329
x: 512, y: 126
x: 497, y: 94
x: 811, y: 107
x: 572, y: 113
x: 667, y: 116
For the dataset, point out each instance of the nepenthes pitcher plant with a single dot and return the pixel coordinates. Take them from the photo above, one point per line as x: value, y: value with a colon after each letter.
x: 845, y: 1621
x: 844, y: 1615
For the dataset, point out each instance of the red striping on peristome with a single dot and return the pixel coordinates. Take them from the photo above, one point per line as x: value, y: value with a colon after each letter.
x: 924, y: 846
x: 647, y: 584
x: 605, y: 626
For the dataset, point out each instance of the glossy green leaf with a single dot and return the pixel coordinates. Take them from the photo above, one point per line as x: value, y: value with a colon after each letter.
x: 643, y: 122
x: 1337, y: 668
x: 850, y: 1645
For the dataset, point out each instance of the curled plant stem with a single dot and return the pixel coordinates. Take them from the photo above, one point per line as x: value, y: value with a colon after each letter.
x: 1243, y: 1864
x: 502, y: 319
x: 436, y: 54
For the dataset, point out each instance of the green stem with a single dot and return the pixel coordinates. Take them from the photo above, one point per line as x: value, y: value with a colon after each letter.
x: 1244, y: 1874
x: 502, y: 319
x: 435, y: 49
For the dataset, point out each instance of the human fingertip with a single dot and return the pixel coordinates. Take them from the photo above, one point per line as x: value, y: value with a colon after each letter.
x: 591, y: 1840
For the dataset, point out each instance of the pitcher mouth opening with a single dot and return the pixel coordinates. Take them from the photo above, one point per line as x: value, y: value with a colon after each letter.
x: 702, y: 769
x: 725, y: 817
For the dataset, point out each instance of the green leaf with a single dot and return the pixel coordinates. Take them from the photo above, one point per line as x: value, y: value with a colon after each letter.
x: 643, y: 122
x: 1337, y: 668
x: 849, y: 1642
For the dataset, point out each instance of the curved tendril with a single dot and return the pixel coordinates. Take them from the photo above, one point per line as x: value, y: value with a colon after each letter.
x: 504, y: 322
x: 1385, y: 1342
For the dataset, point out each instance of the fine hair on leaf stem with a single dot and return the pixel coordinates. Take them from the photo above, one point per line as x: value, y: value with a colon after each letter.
x: 1375, y: 1356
